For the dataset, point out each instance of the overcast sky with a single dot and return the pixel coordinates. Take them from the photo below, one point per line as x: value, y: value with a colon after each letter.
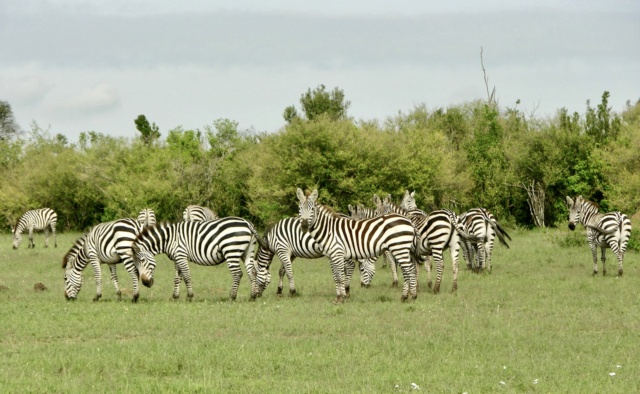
x: 73, y: 65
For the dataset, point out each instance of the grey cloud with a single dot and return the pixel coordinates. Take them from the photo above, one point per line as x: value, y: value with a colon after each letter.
x: 101, y: 97
x: 28, y: 89
x: 228, y: 39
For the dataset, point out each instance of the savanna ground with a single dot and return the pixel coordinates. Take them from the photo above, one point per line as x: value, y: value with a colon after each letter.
x: 539, y: 323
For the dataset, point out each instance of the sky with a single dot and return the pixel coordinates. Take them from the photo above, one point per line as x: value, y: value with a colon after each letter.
x: 86, y: 65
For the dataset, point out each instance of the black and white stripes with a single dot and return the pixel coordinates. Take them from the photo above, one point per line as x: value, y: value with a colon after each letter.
x: 37, y: 219
x: 609, y: 230
x: 196, y: 213
x: 342, y: 239
x: 208, y: 243
x: 106, y: 243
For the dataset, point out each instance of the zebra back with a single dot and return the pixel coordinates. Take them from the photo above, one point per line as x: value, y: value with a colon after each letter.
x: 147, y: 217
x: 197, y: 213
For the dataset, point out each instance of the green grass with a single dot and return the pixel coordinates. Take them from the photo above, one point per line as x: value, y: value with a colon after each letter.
x: 539, y: 317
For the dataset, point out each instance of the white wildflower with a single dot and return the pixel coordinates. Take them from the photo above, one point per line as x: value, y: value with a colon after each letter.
x: 415, y: 386
x: 535, y: 381
x: 502, y: 383
x: 618, y: 366
x: 612, y: 374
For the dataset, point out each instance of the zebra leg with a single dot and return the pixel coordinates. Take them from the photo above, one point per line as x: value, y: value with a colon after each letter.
x: 428, y: 266
x: 46, y: 237
x: 604, y: 267
x: 251, y: 270
x: 114, y: 280
x: 481, y: 256
x: 367, y: 271
x: 488, y: 252
x: 594, y: 254
x: 394, y: 269
x: 620, y: 255
x: 385, y: 260
x: 135, y: 276
x: 437, y: 256
x: 281, y: 273
x: 287, y: 267
x: 454, y: 264
x: 236, y: 275
x: 31, y: 244
x: 337, y: 268
x: 177, y: 279
x: 55, y: 240
x: 183, y: 266
x: 349, y: 267
x: 409, y: 288
x: 97, y: 273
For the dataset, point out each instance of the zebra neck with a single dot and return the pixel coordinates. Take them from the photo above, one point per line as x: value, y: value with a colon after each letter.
x: 590, y: 217
x: 159, y: 238
x: 324, y: 223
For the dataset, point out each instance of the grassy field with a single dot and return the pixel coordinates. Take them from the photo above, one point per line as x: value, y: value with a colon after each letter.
x: 539, y: 323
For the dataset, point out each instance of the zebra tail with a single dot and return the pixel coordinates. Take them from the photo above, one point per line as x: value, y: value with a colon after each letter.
x: 261, y: 240
x: 500, y: 233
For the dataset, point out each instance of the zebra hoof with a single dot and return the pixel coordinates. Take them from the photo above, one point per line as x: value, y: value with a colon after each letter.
x: 394, y: 283
x: 620, y: 272
x: 97, y: 297
x: 135, y: 298
x: 293, y: 293
x: 279, y: 292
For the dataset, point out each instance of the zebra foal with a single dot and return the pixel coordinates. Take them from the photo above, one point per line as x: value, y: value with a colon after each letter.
x: 608, y: 230
x: 37, y: 219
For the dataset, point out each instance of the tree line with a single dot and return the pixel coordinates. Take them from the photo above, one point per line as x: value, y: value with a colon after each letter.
x: 519, y: 166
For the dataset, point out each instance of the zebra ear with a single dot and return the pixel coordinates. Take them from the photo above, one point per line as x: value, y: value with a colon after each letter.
x: 314, y: 195
x: 413, y: 194
x: 387, y: 199
x: 569, y: 201
x: 376, y: 200
x: 407, y: 194
x: 300, y: 194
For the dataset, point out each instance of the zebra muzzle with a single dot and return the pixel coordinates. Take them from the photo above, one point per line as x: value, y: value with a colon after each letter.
x: 304, y: 225
x: 572, y: 226
x: 148, y: 282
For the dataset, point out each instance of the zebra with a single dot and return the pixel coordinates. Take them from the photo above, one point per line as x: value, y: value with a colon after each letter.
x: 197, y: 213
x: 484, y: 226
x: 106, y: 243
x: 204, y: 243
x: 342, y: 239
x: 37, y: 219
x: 287, y: 240
x: 147, y: 217
x: 608, y: 230
x: 437, y: 231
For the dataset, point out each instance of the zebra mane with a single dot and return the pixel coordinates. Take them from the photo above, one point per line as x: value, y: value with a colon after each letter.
x: 591, y: 203
x: 74, y: 248
x: 329, y: 210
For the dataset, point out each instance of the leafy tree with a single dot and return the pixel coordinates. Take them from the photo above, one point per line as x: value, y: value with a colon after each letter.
x: 318, y: 102
x: 8, y: 125
x: 601, y: 123
x: 149, y: 132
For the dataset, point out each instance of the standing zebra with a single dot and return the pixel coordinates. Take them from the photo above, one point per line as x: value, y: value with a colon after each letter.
x: 147, y: 217
x: 342, y: 239
x: 483, y: 225
x: 438, y: 231
x: 37, y: 219
x: 609, y: 230
x: 287, y: 240
x: 205, y: 243
x: 196, y: 213
x: 106, y: 243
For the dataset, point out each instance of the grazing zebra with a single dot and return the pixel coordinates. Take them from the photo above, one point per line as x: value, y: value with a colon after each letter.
x: 106, y: 243
x: 147, y: 217
x: 342, y: 239
x: 196, y: 213
x: 483, y: 225
x: 37, y: 219
x: 609, y: 230
x: 437, y: 231
x: 204, y: 243
x: 287, y: 240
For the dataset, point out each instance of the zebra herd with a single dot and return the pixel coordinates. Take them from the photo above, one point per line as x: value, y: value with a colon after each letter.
x: 405, y: 235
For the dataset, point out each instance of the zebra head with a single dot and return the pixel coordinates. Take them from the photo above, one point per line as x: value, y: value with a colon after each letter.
x: 145, y: 262
x: 575, y: 209
x: 409, y: 201
x: 17, y: 237
x: 380, y: 208
x: 307, y: 209
x: 72, y: 282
